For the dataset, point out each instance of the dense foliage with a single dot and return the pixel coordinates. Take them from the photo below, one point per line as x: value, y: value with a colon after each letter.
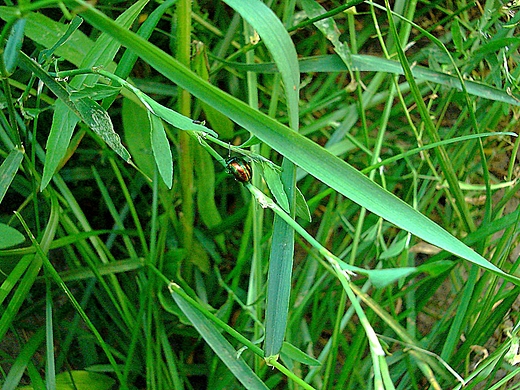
x: 280, y: 194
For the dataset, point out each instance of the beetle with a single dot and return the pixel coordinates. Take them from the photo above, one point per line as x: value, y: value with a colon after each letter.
x: 240, y: 168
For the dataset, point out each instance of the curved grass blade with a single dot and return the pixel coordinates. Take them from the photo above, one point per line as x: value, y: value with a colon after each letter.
x: 279, y: 43
x: 41, y: 258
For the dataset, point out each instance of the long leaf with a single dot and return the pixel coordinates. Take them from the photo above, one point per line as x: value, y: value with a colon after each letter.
x: 303, y: 152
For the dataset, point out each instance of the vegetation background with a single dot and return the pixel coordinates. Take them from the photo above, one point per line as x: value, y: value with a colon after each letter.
x: 376, y: 245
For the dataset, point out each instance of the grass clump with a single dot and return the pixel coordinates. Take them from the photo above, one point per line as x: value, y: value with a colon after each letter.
x: 374, y: 244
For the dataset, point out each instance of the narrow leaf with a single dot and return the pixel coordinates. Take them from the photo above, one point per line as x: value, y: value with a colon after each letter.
x: 8, y: 170
x: 161, y: 149
x: 63, y: 123
x: 274, y: 182
x: 136, y: 127
x: 46, y: 54
x: 302, y: 208
x: 205, y: 181
x: 13, y: 45
x: 172, y: 117
x: 381, y: 278
x: 280, y: 273
x: 290, y: 351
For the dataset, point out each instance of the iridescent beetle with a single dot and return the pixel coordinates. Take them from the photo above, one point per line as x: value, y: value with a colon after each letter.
x: 240, y: 168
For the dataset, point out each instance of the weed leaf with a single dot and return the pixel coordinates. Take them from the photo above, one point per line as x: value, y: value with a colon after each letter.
x: 161, y: 149
x: 99, y: 121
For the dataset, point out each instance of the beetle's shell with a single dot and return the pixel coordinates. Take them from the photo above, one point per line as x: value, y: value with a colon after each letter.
x: 239, y: 168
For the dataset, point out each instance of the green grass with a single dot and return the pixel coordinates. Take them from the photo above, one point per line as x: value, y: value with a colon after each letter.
x: 376, y: 245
